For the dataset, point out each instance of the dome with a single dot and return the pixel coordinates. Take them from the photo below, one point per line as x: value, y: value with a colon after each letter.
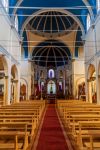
x: 51, y: 53
x: 52, y: 23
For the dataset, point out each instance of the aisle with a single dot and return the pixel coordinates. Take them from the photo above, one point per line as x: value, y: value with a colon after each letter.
x: 51, y: 135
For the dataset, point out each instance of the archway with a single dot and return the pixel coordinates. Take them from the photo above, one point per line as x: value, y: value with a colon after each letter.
x: 14, y: 84
x: 92, y: 91
x: 3, y: 80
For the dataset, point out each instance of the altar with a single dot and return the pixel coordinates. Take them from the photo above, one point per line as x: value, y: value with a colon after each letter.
x: 51, y: 91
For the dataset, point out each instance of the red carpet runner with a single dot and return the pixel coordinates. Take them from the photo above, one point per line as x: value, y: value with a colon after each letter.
x: 51, y: 135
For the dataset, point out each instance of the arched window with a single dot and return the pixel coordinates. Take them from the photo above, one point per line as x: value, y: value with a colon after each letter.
x: 6, y: 4
x: 16, y: 22
x: 51, y: 73
x: 98, y: 5
x: 88, y: 21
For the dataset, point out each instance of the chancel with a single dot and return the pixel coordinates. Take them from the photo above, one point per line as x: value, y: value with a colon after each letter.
x: 49, y: 75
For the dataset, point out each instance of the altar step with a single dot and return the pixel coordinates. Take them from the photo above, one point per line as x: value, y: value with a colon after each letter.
x: 51, y: 98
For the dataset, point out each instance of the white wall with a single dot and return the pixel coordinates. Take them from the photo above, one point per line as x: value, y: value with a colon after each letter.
x: 92, y: 54
x: 10, y: 48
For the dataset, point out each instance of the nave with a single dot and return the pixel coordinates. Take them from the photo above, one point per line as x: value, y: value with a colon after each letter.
x: 35, y: 125
x: 50, y: 74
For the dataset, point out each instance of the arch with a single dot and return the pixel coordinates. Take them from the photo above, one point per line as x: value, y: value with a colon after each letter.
x: 46, y: 10
x: 56, y: 46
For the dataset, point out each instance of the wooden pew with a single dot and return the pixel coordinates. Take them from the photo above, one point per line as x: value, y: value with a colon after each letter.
x: 14, y: 138
x: 72, y: 113
x: 88, y: 130
x: 18, y: 122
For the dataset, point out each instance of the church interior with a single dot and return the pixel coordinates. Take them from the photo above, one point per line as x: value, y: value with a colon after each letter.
x: 49, y: 75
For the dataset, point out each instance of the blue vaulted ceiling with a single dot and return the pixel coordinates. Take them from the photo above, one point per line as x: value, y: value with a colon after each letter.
x: 82, y: 12
x: 78, y: 8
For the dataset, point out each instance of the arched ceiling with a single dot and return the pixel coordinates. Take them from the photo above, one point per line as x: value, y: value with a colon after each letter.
x: 51, y: 53
x: 71, y: 13
x: 78, y: 8
x: 52, y: 23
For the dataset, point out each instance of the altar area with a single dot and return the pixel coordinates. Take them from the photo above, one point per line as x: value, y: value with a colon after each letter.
x: 50, y: 84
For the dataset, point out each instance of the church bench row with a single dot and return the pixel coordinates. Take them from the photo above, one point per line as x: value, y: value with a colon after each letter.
x: 15, y: 128
x: 88, y: 131
x: 16, y: 120
x: 71, y: 120
x: 18, y: 140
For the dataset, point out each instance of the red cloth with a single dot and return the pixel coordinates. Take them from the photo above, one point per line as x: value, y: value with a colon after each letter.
x: 51, y: 136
